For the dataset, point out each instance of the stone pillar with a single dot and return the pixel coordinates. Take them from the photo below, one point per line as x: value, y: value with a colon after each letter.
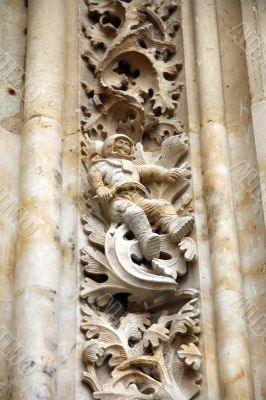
x: 254, y: 27
x: 231, y: 332
x: 251, y: 38
x: 210, y: 371
x: 39, y: 254
x: 12, y: 57
x: 68, y: 318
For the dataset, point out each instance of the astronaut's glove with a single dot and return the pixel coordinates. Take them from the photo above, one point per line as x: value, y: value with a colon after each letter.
x: 174, y: 174
x: 104, y: 194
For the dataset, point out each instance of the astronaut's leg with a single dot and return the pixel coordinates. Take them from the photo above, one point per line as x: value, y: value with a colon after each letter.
x: 176, y: 227
x: 162, y: 214
x: 134, y: 217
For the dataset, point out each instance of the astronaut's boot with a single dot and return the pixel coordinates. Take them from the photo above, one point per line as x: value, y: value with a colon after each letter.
x: 149, y: 241
x: 179, y: 227
x: 150, y: 245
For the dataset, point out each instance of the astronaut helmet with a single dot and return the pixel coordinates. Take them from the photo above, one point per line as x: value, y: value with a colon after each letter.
x: 118, y: 146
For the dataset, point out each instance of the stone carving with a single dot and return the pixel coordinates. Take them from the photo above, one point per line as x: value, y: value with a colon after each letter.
x: 149, y: 359
x: 117, y: 182
x: 139, y: 207
x: 108, y: 228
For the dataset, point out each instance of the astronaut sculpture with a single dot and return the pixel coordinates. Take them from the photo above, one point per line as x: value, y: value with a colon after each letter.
x: 119, y: 186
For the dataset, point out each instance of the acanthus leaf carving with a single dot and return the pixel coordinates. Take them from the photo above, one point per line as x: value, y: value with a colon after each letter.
x: 191, y: 355
x: 142, y: 354
x: 120, y: 392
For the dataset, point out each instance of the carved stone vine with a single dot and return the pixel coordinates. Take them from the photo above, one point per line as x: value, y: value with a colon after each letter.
x: 140, y: 318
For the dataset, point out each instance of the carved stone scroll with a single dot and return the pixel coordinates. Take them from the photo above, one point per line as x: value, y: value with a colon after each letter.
x: 140, y: 318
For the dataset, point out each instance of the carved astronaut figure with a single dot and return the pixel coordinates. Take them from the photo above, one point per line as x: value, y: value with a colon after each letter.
x: 119, y: 185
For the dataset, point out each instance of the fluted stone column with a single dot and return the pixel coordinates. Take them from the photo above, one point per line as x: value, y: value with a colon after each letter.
x: 209, y: 369
x: 12, y: 56
x: 231, y: 331
x: 254, y: 27
x: 68, y: 355
x: 252, y: 41
x: 39, y: 254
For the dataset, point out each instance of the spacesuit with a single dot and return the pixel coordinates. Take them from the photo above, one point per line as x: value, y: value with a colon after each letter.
x: 119, y: 185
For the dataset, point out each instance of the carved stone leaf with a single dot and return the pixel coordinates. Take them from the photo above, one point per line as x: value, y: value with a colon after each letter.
x: 110, y: 343
x: 93, y: 351
x: 182, y: 377
x: 140, y: 157
x: 191, y: 355
x: 168, y: 191
x: 123, y: 275
x: 90, y: 377
x: 110, y: 16
x: 96, y: 36
x: 119, y: 392
x: 185, y: 322
x: 133, y: 325
x: 165, y: 386
x: 181, y: 325
x: 134, y: 14
x: 155, y: 335
x: 93, y: 207
x: 162, y: 128
x: 189, y: 248
x: 100, y: 294
x: 161, y: 99
x: 191, y: 309
x: 92, y: 267
x: 163, y: 8
x: 173, y: 150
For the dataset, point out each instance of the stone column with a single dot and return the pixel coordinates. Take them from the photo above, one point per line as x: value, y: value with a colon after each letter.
x: 209, y: 370
x: 254, y: 43
x: 251, y: 38
x: 231, y: 332
x: 68, y: 354
x: 39, y: 254
x: 12, y: 56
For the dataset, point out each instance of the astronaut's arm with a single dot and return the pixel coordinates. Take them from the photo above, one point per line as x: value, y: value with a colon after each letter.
x: 96, y: 179
x: 157, y: 173
x: 152, y: 173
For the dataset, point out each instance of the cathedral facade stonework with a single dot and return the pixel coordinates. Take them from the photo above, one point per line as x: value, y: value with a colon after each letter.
x: 132, y: 199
